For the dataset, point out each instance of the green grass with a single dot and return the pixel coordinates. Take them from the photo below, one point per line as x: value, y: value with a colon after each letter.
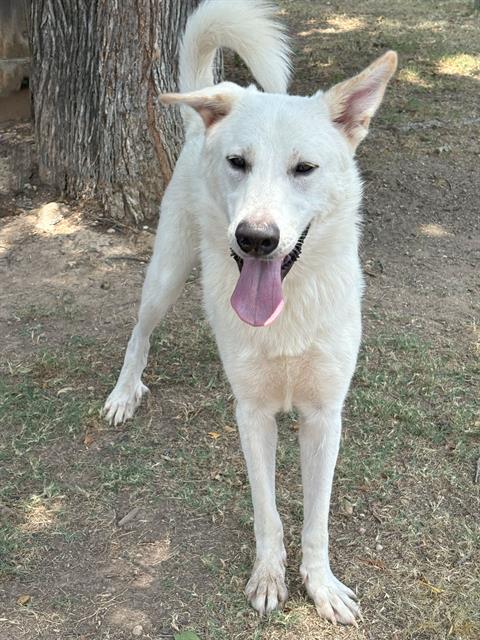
x: 407, y: 397
x: 437, y: 43
x: 409, y: 403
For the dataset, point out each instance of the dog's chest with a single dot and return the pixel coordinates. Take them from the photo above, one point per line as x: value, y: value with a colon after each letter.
x: 285, y: 382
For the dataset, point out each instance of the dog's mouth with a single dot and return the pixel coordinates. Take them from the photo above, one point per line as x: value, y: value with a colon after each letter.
x: 258, y: 296
x: 287, y: 262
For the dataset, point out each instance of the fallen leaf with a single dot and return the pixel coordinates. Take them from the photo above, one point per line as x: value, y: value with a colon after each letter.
x: 363, y: 487
x: 229, y: 429
x: 347, y: 507
x: 88, y: 439
x: 432, y: 588
x: 23, y: 599
x: 214, y: 434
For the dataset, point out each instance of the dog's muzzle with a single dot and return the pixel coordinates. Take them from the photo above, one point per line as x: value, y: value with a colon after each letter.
x: 288, y: 261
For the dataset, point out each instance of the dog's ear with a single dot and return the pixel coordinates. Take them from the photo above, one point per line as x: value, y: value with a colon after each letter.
x: 353, y: 102
x: 212, y: 103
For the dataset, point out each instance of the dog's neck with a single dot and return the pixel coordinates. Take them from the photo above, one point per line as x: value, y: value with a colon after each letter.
x: 317, y: 290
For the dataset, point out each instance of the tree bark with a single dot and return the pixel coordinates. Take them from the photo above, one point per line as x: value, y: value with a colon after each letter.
x: 97, y: 69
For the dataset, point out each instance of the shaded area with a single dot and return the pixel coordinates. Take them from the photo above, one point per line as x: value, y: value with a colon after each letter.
x: 14, y: 62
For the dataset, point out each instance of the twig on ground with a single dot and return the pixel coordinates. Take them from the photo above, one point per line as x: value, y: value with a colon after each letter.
x: 134, y: 258
x: 129, y: 517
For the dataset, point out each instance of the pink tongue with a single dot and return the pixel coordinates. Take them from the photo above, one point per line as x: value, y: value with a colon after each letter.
x: 258, y: 297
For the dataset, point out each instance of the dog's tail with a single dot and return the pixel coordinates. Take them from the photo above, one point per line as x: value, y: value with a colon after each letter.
x: 246, y: 26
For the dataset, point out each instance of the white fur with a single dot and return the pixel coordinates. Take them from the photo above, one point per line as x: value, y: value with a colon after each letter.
x: 248, y: 27
x: 307, y: 356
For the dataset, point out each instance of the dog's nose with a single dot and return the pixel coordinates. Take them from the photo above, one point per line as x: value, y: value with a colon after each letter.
x: 258, y: 241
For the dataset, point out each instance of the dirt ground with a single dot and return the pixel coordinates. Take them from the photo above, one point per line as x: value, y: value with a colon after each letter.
x: 145, y: 530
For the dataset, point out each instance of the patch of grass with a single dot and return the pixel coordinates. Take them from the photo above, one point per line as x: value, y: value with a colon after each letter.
x: 120, y: 475
x: 437, y: 43
x: 35, y: 318
x: 11, y: 541
x: 402, y: 382
x: 37, y: 411
x: 409, y: 396
x: 44, y: 406
x: 408, y: 400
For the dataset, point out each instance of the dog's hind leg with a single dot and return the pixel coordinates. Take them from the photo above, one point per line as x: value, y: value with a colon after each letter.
x: 319, y: 443
x: 266, y: 588
x: 175, y: 254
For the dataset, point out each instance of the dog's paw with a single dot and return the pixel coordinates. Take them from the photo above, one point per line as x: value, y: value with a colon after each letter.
x: 266, y: 588
x: 333, y: 600
x: 122, y: 402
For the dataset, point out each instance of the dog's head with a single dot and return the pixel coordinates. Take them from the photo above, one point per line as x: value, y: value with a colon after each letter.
x: 273, y: 163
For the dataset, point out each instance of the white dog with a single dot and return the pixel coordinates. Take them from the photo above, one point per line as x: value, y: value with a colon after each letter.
x: 263, y: 178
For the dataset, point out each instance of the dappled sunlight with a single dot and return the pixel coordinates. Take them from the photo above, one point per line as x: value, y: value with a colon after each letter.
x: 412, y: 76
x: 145, y: 559
x: 55, y: 230
x: 150, y: 555
x: 40, y: 513
x: 128, y: 618
x: 9, y: 234
x: 460, y: 64
x: 50, y: 219
x: 431, y: 26
x: 343, y: 23
x: 47, y: 220
x: 434, y: 230
x: 336, y: 24
x: 154, y: 553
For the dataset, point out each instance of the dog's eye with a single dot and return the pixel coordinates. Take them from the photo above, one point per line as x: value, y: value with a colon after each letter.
x: 237, y: 162
x: 304, y: 168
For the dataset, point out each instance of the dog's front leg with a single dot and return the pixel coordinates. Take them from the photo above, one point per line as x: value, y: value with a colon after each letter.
x: 319, y: 443
x: 266, y: 588
x: 174, y: 255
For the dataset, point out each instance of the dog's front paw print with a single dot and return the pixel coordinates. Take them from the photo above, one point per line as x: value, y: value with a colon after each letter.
x: 333, y: 600
x: 266, y: 588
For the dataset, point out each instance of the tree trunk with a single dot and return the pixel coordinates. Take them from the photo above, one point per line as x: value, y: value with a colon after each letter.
x: 97, y: 69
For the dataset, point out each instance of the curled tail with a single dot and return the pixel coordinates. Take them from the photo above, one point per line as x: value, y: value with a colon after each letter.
x: 246, y: 26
